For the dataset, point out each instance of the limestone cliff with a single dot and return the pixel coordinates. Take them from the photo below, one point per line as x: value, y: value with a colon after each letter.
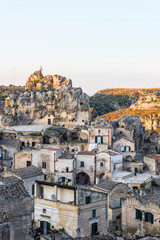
x: 46, y: 100
x: 39, y: 82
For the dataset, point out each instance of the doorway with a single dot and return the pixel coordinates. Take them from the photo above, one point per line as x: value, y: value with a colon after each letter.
x: 95, y: 229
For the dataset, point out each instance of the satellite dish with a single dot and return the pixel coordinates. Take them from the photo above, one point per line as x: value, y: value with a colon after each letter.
x: 53, y: 197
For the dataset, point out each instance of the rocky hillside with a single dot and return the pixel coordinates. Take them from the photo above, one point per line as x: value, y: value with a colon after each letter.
x: 46, y: 100
x: 147, y: 106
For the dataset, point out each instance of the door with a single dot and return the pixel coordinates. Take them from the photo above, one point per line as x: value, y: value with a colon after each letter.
x: 49, y: 121
x: 44, y: 227
x: 95, y: 228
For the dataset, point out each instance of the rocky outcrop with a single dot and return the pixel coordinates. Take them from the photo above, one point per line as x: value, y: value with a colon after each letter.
x: 40, y: 105
x: 40, y: 82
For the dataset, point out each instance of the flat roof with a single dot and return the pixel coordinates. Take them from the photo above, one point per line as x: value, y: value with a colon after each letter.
x: 87, y: 153
x: 28, y: 128
x: 56, y: 184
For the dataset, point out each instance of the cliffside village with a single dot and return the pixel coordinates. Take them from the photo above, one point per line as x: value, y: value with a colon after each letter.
x: 64, y: 175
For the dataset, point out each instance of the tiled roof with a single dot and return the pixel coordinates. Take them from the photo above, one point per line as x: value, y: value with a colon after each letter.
x: 13, y: 191
x: 106, y: 184
x: 11, y: 179
x: 144, y: 199
x: 27, y: 172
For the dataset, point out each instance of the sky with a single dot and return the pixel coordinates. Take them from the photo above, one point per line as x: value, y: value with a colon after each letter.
x: 97, y: 43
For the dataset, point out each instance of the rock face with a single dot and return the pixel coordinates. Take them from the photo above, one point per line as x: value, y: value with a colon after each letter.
x: 40, y: 82
x: 47, y: 100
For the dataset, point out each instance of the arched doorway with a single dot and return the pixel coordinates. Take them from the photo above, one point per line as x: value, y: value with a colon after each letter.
x: 82, y: 178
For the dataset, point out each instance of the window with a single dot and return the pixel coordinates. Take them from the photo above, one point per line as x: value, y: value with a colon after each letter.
x: 122, y: 149
x: 114, y: 168
x: 149, y: 217
x: 67, y: 169
x: 44, y: 210
x: 82, y: 164
x: 28, y: 163
x: 63, y: 179
x: 43, y: 164
x: 32, y: 189
x: 127, y: 149
x: 45, y: 177
x: 93, y: 213
x: 33, y: 144
x: 88, y: 200
x: 139, y: 214
x: 101, y: 164
x: 23, y: 144
x: 41, y: 191
x: 99, y: 140
x: 99, y: 131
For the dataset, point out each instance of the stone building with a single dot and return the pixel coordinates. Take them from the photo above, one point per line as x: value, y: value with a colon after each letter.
x: 65, y: 169
x: 79, y: 212
x: 141, y: 215
x: 28, y: 175
x: 101, y: 134
x: 43, y: 159
x: 116, y: 193
x: 152, y: 162
x: 92, y: 166
x: 128, y: 137
x: 15, y: 212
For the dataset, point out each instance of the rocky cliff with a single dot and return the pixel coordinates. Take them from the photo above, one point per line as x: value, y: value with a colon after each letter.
x: 39, y: 82
x: 145, y: 104
x: 46, y: 100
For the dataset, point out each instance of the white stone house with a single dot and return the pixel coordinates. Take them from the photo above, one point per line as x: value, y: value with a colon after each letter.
x: 65, y: 169
x: 43, y: 158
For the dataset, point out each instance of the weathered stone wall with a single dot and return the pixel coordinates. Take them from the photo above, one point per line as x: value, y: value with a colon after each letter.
x: 18, y: 222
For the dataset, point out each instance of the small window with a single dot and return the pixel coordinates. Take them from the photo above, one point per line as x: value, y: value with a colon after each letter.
x: 23, y: 144
x: 101, y: 164
x: 83, y: 120
x: 32, y: 189
x: 122, y: 149
x: 127, y: 149
x: 67, y: 169
x: 45, y: 177
x: 82, y: 164
x: 33, y: 144
x: 28, y: 163
x: 149, y: 217
x: 114, y: 167
x: 44, y: 210
x: 93, y: 213
x: 88, y: 199
x: 43, y: 164
x: 139, y: 214
x: 63, y: 179
x: 99, y: 131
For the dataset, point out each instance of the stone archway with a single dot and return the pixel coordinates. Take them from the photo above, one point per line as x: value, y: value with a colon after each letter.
x: 82, y: 178
x: 129, y: 158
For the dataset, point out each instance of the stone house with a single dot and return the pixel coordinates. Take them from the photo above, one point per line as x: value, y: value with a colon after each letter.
x: 79, y: 212
x: 15, y: 212
x: 152, y: 162
x: 65, y: 169
x: 91, y: 166
x: 28, y: 175
x: 43, y: 159
x: 141, y: 215
x: 125, y: 146
x: 116, y: 193
x: 8, y: 148
x: 101, y: 135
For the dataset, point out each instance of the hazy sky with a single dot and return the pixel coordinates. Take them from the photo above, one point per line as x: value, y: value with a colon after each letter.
x: 97, y: 43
